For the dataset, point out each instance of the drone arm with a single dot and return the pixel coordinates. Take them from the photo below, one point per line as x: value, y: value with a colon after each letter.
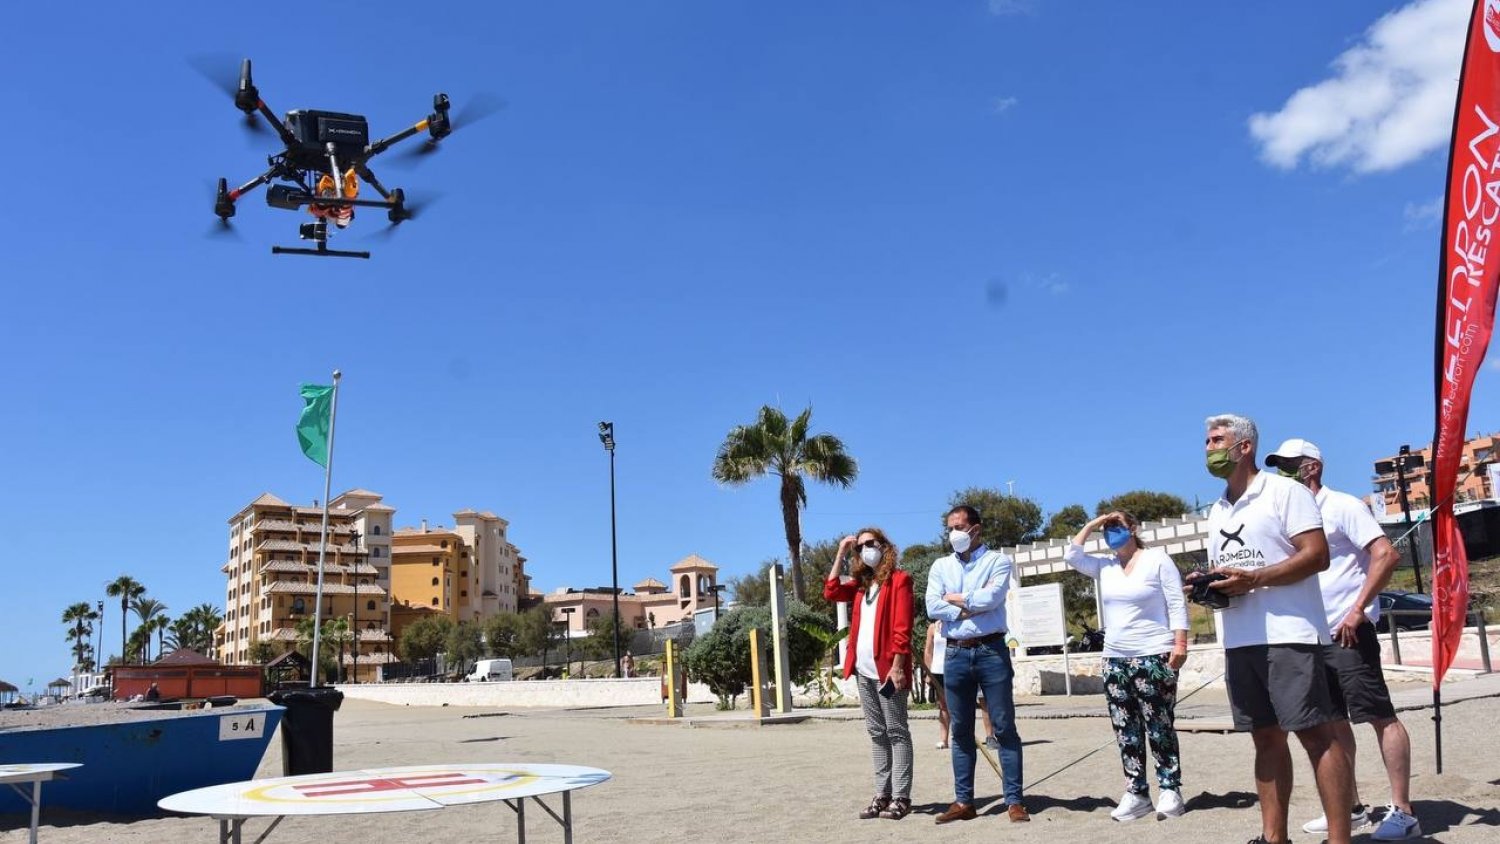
x: 383, y: 144
x: 265, y: 111
x: 368, y: 175
x: 435, y: 124
x: 225, y: 198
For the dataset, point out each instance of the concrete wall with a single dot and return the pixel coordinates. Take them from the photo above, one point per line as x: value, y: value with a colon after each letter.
x: 540, y: 693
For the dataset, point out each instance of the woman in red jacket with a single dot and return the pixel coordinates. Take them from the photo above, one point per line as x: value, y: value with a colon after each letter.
x: 878, y: 650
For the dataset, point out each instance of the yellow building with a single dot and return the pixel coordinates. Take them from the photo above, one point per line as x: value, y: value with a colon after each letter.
x: 272, y: 577
x: 470, y: 572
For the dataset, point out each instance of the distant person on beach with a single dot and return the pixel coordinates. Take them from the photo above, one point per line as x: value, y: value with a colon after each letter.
x: 153, y: 693
x: 627, y: 665
x: 879, y: 653
x: 1266, y: 547
x: 1145, y: 643
x: 933, y: 651
x: 966, y: 594
x: 1361, y: 560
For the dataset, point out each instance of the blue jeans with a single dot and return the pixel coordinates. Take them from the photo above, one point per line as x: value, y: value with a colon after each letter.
x: 966, y: 673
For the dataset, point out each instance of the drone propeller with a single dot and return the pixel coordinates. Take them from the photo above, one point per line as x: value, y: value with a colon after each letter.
x: 408, y: 208
x: 215, y: 67
x: 478, y: 107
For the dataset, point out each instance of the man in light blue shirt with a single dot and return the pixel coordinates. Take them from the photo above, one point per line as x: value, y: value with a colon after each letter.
x: 966, y: 593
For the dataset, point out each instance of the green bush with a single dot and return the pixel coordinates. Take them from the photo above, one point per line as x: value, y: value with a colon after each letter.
x: 721, y: 658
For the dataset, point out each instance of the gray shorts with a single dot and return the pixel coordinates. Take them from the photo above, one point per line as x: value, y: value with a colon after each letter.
x: 1282, y: 686
x: 1357, y: 680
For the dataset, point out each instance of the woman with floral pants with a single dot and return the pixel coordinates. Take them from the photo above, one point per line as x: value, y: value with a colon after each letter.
x: 1145, y: 642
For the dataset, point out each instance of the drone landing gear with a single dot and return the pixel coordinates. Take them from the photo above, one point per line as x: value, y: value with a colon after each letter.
x: 318, y: 233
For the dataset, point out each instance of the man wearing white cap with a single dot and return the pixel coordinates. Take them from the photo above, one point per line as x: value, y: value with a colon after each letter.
x: 1361, y: 560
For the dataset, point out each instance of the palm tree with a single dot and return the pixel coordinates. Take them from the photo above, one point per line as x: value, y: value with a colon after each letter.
x: 147, y: 610
x: 161, y: 622
x: 81, y: 617
x: 127, y: 589
x: 774, y: 446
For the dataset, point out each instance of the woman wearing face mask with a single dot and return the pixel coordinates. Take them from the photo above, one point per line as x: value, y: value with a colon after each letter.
x: 1145, y: 642
x: 878, y: 650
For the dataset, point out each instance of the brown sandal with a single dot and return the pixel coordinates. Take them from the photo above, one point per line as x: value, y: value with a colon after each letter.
x: 898, y: 809
x: 876, y: 808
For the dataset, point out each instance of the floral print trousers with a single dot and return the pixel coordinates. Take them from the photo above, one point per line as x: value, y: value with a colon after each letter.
x: 1142, y: 697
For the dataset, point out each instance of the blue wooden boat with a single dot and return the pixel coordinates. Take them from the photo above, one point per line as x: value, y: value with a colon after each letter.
x: 133, y: 758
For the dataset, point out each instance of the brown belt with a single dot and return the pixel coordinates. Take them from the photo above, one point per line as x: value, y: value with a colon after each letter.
x: 992, y: 639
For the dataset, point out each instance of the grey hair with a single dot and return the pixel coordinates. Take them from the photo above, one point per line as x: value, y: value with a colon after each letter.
x: 1242, y: 427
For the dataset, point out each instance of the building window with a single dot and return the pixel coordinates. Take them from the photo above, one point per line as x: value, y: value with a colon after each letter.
x: 370, y: 605
x: 434, y: 560
x: 464, y: 593
x: 298, y: 605
x: 434, y: 602
x: 443, y: 544
x: 592, y: 613
x: 377, y: 552
x: 434, y: 581
x: 375, y: 530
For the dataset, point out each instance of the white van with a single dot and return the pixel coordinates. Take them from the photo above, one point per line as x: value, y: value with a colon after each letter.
x: 490, y: 670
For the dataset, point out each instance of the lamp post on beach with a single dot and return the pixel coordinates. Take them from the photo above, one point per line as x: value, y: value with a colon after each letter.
x: 607, y: 437
x: 354, y: 538
x: 99, y: 639
x: 716, y: 589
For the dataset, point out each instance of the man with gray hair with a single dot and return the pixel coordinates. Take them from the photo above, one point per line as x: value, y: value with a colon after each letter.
x: 1266, y: 547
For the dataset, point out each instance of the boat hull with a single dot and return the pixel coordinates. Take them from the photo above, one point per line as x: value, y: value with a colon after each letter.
x: 129, y: 765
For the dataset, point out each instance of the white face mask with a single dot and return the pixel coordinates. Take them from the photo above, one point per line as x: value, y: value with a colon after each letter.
x: 870, y: 556
x: 960, y: 540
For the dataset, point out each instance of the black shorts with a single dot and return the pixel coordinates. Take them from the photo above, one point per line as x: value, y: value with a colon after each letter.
x: 1356, y: 680
x: 1282, y: 686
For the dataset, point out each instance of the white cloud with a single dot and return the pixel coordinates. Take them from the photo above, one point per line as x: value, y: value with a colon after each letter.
x: 1010, y: 7
x: 1003, y: 104
x: 1388, y: 102
x: 1423, y: 216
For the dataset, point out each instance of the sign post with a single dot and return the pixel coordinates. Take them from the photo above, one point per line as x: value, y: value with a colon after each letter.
x: 1042, y: 623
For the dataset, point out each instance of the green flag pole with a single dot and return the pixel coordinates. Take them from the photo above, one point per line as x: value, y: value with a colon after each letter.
x: 333, y: 412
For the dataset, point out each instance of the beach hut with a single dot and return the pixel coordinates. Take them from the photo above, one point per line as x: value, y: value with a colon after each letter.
x: 185, y: 673
x: 7, y: 693
x: 59, y: 688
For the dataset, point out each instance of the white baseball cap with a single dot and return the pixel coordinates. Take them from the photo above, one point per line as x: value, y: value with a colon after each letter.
x: 1291, y: 450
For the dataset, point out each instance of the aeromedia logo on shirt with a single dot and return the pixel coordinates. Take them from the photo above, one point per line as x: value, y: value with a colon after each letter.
x: 1243, y: 556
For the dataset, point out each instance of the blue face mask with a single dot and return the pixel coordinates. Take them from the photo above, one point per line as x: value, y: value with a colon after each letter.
x: 1116, y: 537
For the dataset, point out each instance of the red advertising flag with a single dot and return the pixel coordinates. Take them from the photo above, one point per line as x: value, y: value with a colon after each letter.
x: 1465, y: 310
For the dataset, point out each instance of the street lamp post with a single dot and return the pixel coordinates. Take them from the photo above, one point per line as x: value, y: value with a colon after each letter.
x: 1404, y: 460
x: 354, y: 540
x: 99, y: 640
x: 568, y: 639
x: 716, y: 589
x: 607, y: 436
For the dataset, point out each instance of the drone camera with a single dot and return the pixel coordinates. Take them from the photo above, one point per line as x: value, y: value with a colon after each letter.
x: 317, y: 231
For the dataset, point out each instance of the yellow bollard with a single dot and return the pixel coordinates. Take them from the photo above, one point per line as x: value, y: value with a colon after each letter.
x: 674, y: 701
x: 757, y: 675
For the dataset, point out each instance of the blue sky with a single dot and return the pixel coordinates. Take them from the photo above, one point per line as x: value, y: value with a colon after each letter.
x: 986, y: 241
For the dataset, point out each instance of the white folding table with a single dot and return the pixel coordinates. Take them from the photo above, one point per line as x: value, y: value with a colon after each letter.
x: 412, y: 788
x: 16, y: 776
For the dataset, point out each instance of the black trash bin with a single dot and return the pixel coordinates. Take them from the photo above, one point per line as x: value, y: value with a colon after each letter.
x: 307, y: 728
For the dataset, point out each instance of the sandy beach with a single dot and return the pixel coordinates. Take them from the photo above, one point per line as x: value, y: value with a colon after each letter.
x: 806, y: 782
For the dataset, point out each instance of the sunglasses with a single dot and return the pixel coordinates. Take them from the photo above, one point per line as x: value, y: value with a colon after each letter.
x: 869, y: 543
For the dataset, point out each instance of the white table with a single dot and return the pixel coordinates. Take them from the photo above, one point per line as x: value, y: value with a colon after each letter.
x: 16, y: 776
x: 411, y: 788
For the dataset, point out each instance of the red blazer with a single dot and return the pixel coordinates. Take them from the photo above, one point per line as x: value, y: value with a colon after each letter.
x: 892, y: 620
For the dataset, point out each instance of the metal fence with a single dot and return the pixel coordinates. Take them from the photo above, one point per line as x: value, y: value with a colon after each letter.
x: 1476, y: 618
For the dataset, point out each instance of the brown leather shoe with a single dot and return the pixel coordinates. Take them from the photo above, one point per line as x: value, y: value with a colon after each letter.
x: 1017, y: 813
x: 957, y: 812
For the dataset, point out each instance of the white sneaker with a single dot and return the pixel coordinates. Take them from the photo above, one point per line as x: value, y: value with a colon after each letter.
x: 1169, y: 804
x: 1319, y: 825
x: 1397, y: 825
x: 1132, y: 806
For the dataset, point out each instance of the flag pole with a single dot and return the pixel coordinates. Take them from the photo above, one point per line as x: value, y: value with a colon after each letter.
x: 333, y: 415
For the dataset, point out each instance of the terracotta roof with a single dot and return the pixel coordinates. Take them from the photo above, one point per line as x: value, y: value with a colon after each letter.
x: 266, y: 499
x: 60, y: 682
x: 467, y: 511
x: 6, y: 687
x: 651, y: 583
x: 383, y: 508
x: 185, y: 656
x: 293, y: 587
x: 358, y: 491
x: 693, y: 561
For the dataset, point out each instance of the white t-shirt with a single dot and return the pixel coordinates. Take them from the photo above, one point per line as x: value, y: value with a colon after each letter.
x: 1254, y: 532
x: 1142, y: 608
x: 1350, y: 528
x: 939, y: 650
x: 864, y: 646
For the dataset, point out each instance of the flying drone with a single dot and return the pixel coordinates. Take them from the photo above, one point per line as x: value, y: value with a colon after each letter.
x: 326, y: 158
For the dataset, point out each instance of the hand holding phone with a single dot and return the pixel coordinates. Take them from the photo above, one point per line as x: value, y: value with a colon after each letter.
x: 888, y: 688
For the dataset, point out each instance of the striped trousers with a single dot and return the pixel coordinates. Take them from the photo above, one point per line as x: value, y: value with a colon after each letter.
x: 890, y: 738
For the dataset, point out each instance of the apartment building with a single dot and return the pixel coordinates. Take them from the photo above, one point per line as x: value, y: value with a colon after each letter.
x: 272, y: 572
x: 467, y: 572
x: 1474, y: 477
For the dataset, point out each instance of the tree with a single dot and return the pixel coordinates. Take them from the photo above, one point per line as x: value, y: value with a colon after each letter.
x: 504, y: 633
x: 721, y: 658
x: 1066, y: 522
x: 536, y: 631
x: 261, y: 652
x: 1145, y: 505
x: 462, y: 642
x: 772, y: 445
x: 195, y: 629
x: 161, y: 623
x: 127, y: 589
x: 1006, y: 520
x: 81, y: 617
x: 601, y: 639
x: 337, y: 633
x: 755, y: 589
x: 147, y: 610
x: 423, y: 638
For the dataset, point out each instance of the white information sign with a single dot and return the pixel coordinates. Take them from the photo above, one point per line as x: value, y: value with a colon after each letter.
x: 248, y: 725
x: 1041, y: 621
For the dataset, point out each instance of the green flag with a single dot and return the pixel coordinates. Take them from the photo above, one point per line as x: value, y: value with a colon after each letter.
x: 313, y: 425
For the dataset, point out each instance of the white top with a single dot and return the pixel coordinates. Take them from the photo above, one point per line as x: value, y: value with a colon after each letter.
x: 34, y: 771
x: 405, y: 789
x: 1141, y: 608
x: 1350, y: 528
x: 939, y: 650
x: 864, y: 646
x: 1254, y: 532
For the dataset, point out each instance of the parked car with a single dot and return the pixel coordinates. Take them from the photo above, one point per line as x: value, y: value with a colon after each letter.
x: 1409, y: 604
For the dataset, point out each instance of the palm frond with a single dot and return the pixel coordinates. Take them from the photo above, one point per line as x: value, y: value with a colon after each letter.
x: 825, y: 460
x: 798, y: 433
x: 772, y: 421
x: 742, y: 457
